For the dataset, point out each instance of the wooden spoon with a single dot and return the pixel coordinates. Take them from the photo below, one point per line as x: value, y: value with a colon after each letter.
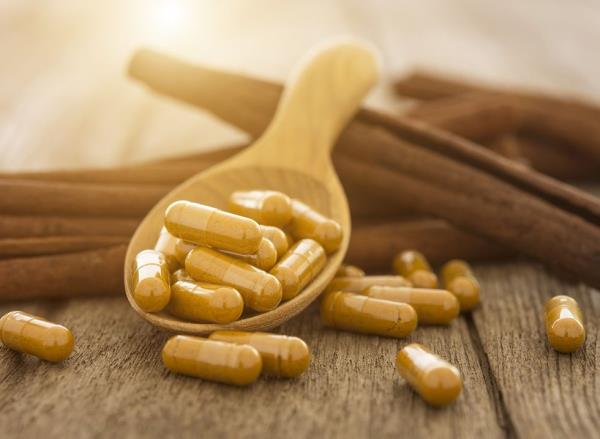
x: 292, y: 156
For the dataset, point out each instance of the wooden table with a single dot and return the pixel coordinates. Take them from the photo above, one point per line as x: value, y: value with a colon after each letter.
x: 65, y: 102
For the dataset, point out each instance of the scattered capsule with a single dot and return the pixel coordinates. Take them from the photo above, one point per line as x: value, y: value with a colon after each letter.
x: 166, y: 245
x: 564, y: 324
x: 413, y: 266
x: 349, y: 271
x: 282, y: 356
x: 277, y: 237
x: 181, y: 275
x: 35, y: 336
x: 151, y: 283
x: 434, y: 307
x: 264, y: 258
x: 271, y: 208
x: 437, y: 381
x: 199, y: 302
x: 261, y: 291
x: 308, y: 223
x: 212, y: 360
x: 356, y: 313
x: 460, y: 281
x: 205, y: 225
x: 359, y: 284
x: 301, y: 264
x: 182, y: 248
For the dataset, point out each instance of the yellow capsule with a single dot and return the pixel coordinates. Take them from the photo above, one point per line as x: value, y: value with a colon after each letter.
x: 166, y: 245
x: 434, y: 307
x: 359, y: 284
x: 151, y: 282
x: 271, y: 208
x: 282, y: 356
x: 460, y: 281
x: 33, y: 335
x: 564, y: 324
x: 301, y: 264
x: 356, y: 313
x: 308, y: 223
x: 212, y: 360
x: 413, y: 266
x: 199, y: 302
x: 264, y: 258
x: 181, y: 274
x: 437, y: 381
x: 261, y: 291
x: 277, y: 237
x: 182, y: 248
x: 205, y: 225
x: 349, y: 271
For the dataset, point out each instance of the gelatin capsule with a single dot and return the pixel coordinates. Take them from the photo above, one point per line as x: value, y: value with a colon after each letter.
x: 151, y: 282
x: 271, y: 208
x: 356, y: 313
x: 460, y: 281
x: 301, y: 264
x: 308, y: 223
x: 349, y: 271
x: 359, y: 284
x: 179, y: 275
x: 261, y: 291
x: 199, y: 302
x: 413, y: 266
x: 564, y: 324
x: 182, y: 248
x: 282, y: 356
x: 166, y: 245
x: 212, y: 360
x: 265, y: 258
x: 35, y: 336
x: 434, y: 379
x: 434, y: 307
x: 205, y: 225
x: 277, y: 237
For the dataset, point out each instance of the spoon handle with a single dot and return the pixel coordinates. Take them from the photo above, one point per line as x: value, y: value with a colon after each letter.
x: 319, y: 99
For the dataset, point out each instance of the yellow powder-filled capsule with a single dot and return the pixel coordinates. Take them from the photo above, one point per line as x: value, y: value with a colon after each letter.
x: 166, y: 245
x: 308, y: 223
x: 271, y: 208
x: 181, y: 275
x: 564, y: 324
x: 282, y: 356
x: 182, y: 248
x: 205, y: 225
x: 413, y: 266
x: 261, y: 291
x: 356, y: 313
x: 277, y: 237
x: 349, y: 271
x: 299, y: 266
x: 437, y: 381
x: 151, y: 282
x: 434, y: 307
x: 460, y: 281
x: 264, y: 258
x: 359, y: 284
x: 199, y: 302
x: 33, y: 335
x: 212, y: 360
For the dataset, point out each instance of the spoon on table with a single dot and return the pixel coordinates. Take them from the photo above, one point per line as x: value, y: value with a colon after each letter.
x: 292, y: 156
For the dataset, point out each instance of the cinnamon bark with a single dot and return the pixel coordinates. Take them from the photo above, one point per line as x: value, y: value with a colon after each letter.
x: 51, y: 245
x: 22, y: 226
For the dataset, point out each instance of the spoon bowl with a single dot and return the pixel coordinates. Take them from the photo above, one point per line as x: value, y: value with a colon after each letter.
x: 292, y: 156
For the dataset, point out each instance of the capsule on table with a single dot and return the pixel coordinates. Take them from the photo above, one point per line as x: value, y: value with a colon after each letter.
x: 349, y: 271
x: 205, y: 225
x: 166, y: 245
x: 564, y: 324
x: 359, y: 284
x: 434, y: 307
x: 264, y: 258
x: 413, y: 266
x: 35, y: 336
x: 182, y: 248
x: 301, y: 264
x: 212, y: 360
x: 356, y: 313
x: 277, y: 237
x: 200, y: 302
x: 261, y: 291
x: 308, y: 223
x: 460, y: 281
x: 271, y: 208
x: 437, y: 381
x: 282, y: 356
x: 151, y: 281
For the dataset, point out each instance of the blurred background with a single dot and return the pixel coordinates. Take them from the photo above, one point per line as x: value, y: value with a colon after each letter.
x: 65, y: 99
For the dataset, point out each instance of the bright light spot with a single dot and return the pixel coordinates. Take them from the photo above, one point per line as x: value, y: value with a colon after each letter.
x: 169, y: 15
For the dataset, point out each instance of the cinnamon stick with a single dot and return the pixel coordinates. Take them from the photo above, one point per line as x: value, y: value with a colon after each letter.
x: 51, y: 245
x: 22, y: 226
